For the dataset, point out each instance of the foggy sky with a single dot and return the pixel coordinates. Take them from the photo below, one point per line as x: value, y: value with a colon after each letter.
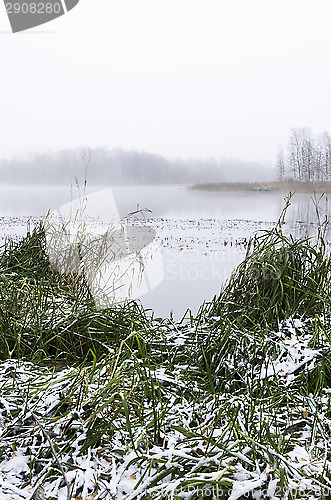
x: 189, y: 78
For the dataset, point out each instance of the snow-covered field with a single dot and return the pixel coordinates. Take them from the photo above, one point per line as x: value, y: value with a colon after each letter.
x: 191, y: 443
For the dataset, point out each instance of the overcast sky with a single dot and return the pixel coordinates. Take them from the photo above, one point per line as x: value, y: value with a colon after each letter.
x: 190, y: 78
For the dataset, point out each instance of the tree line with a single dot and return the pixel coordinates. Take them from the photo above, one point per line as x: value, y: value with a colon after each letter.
x: 307, y: 158
x: 120, y: 167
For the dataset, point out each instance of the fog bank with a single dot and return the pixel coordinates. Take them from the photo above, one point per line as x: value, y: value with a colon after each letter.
x: 120, y: 167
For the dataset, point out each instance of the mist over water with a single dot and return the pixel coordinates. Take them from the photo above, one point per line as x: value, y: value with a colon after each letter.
x: 120, y: 167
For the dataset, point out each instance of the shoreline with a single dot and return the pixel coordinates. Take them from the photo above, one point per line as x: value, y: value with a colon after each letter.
x: 286, y: 186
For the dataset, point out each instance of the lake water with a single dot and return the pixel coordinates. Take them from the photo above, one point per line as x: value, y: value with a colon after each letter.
x: 202, y: 235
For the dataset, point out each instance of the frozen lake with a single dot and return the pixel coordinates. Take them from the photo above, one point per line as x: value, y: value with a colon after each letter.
x: 202, y: 235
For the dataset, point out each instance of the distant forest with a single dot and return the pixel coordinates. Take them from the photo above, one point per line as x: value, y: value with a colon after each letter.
x: 308, y: 158
x: 120, y: 167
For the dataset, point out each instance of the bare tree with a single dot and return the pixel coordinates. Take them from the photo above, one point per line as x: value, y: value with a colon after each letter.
x: 308, y: 158
x: 294, y: 154
x: 307, y: 154
x: 280, y: 164
x: 325, y: 141
x: 319, y: 159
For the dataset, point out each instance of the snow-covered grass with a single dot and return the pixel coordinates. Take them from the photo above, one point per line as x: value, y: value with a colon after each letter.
x: 118, y: 404
x: 145, y: 422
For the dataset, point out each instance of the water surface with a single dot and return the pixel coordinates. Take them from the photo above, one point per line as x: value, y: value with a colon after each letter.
x: 202, y: 234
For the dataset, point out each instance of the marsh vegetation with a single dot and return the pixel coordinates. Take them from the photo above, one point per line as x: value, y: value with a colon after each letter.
x: 118, y: 403
x: 281, y: 186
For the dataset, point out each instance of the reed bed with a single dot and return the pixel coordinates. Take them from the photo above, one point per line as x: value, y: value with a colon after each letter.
x: 280, y: 277
x: 118, y: 404
x: 281, y: 186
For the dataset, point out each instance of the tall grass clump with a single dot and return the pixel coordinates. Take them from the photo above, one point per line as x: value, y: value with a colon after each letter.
x: 47, y: 314
x: 27, y: 257
x: 48, y: 306
x: 281, y: 281
x: 280, y: 277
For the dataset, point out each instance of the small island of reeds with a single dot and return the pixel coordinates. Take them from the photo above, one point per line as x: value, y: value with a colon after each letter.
x: 280, y: 186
